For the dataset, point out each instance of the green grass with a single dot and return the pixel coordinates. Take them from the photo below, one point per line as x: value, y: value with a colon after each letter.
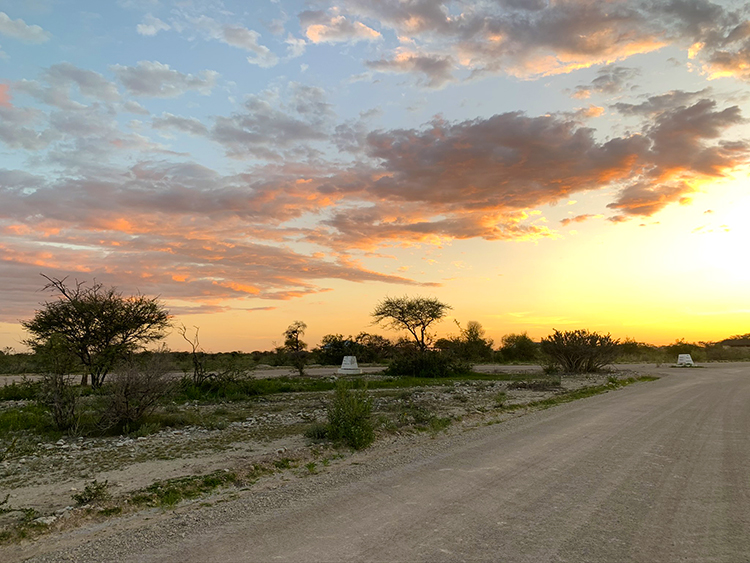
x: 248, y: 388
x: 171, y: 491
x: 31, y: 417
x: 582, y: 393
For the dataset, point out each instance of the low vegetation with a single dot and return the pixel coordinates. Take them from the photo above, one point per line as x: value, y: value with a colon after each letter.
x: 350, y: 417
x: 348, y: 413
x: 427, y: 386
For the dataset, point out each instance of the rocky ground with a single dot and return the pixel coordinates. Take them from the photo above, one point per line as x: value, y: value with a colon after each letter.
x: 266, y: 447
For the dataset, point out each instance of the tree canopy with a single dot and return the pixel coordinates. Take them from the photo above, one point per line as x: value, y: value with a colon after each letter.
x: 414, y: 314
x: 294, y: 345
x: 96, y: 324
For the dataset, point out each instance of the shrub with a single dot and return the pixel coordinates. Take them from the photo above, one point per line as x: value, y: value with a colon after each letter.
x: 430, y: 363
x: 58, y: 393
x: 580, y: 351
x: 135, y: 389
x: 56, y: 390
x: 349, y: 417
x: 93, y: 492
x: 518, y: 348
x: 24, y: 391
x: 317, y: 431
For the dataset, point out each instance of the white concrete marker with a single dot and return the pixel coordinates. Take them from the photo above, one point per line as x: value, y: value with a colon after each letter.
x: 349, y: 366
x: 685, y: 360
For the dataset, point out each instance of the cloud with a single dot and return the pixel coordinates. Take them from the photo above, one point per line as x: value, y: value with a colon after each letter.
x: 322, y: 28
x: 681, y: 129
x: 436, y: 70
x: 239, y: 37
x: 151, y: 25
x: 610, y: 80
x: 182, y: 231
x: 153, y: 79
x: 538, y: 38
x: 19, y: 129
x: 134, y: 107
x: 19, y: 29
x: 269, y: 128
x: 295, y: 47
x: 90, y: 84
x: 188, y: 125
x: 521, y: 38
x: 577, y: 219
x: 4, y: 96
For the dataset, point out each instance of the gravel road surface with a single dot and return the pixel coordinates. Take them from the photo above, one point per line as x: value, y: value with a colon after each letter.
x: 655, y: 472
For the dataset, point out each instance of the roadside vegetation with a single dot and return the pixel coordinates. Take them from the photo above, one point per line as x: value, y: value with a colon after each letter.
x: 128, y: 394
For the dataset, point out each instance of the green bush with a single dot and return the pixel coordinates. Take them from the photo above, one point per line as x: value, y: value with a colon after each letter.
x: 519, y: 348
x: 580, y: 351
x: 429, y: 363
x: 93, y: 492
x: 317, y: 431
x: 26, y: 390
x: 349, y: 417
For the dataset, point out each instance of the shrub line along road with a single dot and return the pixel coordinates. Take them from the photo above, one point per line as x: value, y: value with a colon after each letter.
x: 655, y: 472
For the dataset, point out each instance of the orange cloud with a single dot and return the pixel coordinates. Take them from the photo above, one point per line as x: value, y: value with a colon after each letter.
x: 4, y: 96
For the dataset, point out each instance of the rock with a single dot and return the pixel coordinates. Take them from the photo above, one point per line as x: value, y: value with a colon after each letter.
x: 46, y: 520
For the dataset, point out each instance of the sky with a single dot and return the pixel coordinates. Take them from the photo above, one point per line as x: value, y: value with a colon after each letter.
x: 535, y: 164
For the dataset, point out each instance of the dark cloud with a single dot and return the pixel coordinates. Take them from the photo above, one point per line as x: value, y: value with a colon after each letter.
x: 508, y: 160
x: 435, y: 70
x: 681, y: 151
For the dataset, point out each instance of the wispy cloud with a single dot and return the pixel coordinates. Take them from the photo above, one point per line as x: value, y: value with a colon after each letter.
x: 19, y: 29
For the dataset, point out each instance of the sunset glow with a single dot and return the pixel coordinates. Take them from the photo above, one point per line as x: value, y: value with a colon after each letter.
x: 536, y: 165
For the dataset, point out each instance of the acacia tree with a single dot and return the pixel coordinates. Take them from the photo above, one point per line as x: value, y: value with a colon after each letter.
x: 96, y: 324
x: 294, y: 346
x: 414, y: 314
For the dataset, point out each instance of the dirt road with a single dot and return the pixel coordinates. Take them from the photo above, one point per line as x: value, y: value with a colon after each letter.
x: 655, y: 472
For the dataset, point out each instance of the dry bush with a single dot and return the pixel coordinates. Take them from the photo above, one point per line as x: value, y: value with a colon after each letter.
x: 135, y: 390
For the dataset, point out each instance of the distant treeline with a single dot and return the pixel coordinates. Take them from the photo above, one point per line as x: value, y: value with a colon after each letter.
x: 471, y: 346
